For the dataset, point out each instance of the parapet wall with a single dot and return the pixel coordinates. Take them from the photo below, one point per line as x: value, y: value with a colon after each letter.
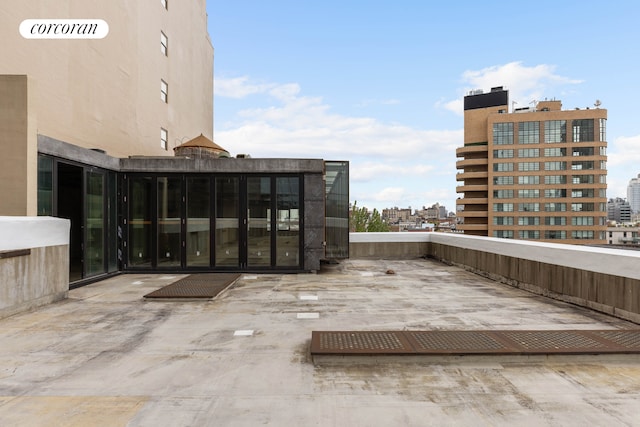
x: 606, y: 280
x: 34, y: 262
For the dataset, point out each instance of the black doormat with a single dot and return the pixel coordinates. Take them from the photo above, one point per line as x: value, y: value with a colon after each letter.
x: 196, y: 286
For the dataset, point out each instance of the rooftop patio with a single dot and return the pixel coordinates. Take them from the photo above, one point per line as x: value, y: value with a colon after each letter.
x: 106, y: 356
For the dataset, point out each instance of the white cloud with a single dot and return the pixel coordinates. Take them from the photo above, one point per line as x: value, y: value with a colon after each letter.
x: 624, y: 150
x: 525, y: 84
x: 238, y: 87
x: 390, y: 163
x: 294, y: 125
x: 372, y: 102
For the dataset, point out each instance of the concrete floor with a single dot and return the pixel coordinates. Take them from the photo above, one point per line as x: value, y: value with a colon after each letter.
x: 107, y: 357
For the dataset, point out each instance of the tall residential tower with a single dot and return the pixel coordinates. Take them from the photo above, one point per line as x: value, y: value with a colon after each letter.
x: 537, y: 173
x: 633, y: 194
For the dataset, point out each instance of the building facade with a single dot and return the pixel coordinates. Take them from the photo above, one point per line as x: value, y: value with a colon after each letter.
x: 142, y: 90
x: 623, y: 236
x: 618, y: 210
x: 535, y: 173
x: 633, y: 194
x: 89, y: 129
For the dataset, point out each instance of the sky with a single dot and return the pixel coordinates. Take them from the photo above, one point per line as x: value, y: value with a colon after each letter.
x: 381, y: 83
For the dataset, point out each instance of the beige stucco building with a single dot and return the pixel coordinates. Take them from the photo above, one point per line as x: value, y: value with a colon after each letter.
x: 535, y: 173
x: 142, y: 90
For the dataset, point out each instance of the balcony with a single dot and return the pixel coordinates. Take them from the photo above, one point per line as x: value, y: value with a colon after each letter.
x: 471, y: 175
x: 460, y: 152
x: 461, y: 164
x: 473, y: 227
x: 472, y: 201
x: 472, y: 214
x: 467, y: 188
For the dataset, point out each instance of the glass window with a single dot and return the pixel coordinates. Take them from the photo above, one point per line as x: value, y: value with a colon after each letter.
x: 582, y: 220
x: 585, y: 165
x: 555, y: 220
x: 164, y: 139
x: 528, y: 193
x: 503, y: 167
x: 503, y: 207
x: 502, y: 220
x: 555, y: 207
x: 45, y: 185
x: 529, y: 220
x: 528, y: 207
x: 603, y: 130
x: 555, y: 179
x: 582, y: 207
x: 503, y: 194
x: 555, y: 131
x: 502, y: 133
x: 582, y: 192
x: 164, y: 91
x: 528, y: 132
x: 529, y: 179
x: 555, y: 234
x: 502, y: 180
x: 528, y: 166
x: 582, y: 151
x: 555, y: 152
x: 555, y: 192
x: 582, y: 234
x: 528, y: 234
x: 502, y: 154
x: 555, y: 166
x: 528, y: 152
x: 582, y: 179
x: 164, y: 43
x: 504, y: 234
x: 337, y: 209
x: 582, y: 130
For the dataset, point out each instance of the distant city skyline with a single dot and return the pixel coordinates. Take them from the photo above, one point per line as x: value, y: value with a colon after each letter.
x: 381, y: 83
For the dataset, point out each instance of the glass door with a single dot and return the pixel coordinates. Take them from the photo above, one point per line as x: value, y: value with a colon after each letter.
x: 227, y: 208
x: 198, y: 222
x: 94, y: 250
x: 169, y: 221
x: 288, y: 221
x: 259, y: 221
x: 141, y: 200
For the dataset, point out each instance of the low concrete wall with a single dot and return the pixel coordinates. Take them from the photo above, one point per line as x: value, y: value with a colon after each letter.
x: 388, y: 245
x: 34, y: 262
x: 606, y: 280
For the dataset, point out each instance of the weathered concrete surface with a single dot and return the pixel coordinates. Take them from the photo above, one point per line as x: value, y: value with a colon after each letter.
x: 39, y: 275
x: 107, y: 357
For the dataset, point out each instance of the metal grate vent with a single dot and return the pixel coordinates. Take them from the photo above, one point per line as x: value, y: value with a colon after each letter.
x: 553, y: 340
x: 476, y: 342
x: 464, y: 340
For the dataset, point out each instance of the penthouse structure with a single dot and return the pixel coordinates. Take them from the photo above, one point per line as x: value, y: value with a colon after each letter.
x: 116, y: 135
x: 537, y: 173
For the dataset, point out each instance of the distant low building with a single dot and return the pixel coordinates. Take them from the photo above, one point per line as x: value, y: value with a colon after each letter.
x: 623, y: 236
x: 618, y: 210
